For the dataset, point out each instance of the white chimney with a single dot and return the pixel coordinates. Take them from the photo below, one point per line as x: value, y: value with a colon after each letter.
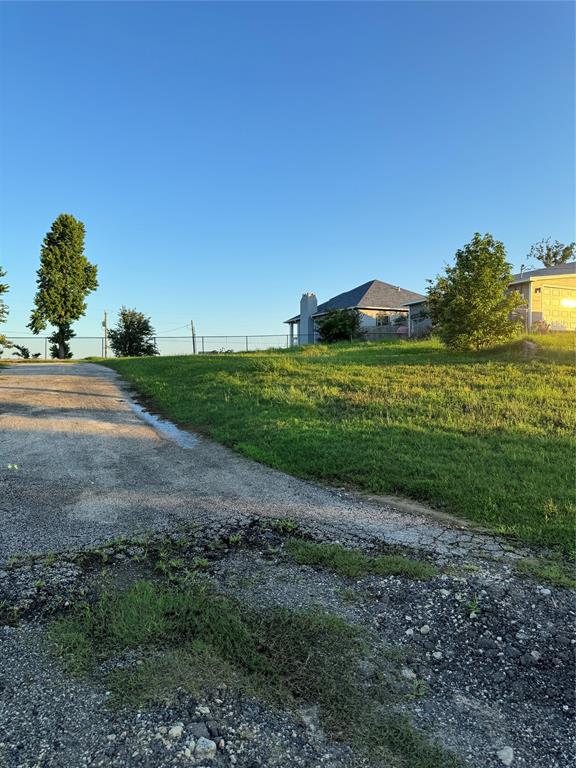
x: 308, y: 307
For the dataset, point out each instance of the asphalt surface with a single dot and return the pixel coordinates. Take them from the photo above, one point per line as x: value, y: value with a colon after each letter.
x: 80, y: 465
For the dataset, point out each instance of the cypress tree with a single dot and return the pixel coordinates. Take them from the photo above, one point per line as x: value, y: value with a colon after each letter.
x: 65, y: 278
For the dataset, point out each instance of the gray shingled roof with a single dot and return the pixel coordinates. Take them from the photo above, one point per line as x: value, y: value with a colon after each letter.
x: 374, y: 294
x: 559, y: 269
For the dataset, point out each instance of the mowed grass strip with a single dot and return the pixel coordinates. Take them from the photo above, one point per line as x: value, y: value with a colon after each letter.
x: 486, y: 436
x: 356, y: 564
x: 197, y: 639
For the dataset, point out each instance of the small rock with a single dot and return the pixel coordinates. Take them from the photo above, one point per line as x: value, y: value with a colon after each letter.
x: 408, y: 674
x: 176, y: 731
x: 437, y: 655
x: 205, y: 749
x: 410, y: 632
x: 424, y: 629
x: 189, y: 747
x: 444, y: 592
x: 203, y: 710
x: 199, y: 729
x: 506, y: 755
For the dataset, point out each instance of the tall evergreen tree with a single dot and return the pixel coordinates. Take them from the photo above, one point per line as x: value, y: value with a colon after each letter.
x: 471, y: 305
x: 3, y: 307
x: 65, y: 278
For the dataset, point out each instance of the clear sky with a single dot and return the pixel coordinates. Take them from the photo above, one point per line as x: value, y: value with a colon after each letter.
x: 227, y: 157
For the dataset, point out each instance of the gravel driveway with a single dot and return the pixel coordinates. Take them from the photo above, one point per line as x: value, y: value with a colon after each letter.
x: 80, y: 465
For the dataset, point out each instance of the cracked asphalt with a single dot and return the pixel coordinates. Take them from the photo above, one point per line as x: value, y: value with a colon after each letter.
x: 80, y: 465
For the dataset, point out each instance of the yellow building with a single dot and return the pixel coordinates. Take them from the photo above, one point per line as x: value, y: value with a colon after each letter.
x: 550, y: 295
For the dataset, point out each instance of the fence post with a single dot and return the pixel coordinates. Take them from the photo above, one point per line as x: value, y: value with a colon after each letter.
x: 193, y: 337
x: 45, y: 348
x: 202, y: 344
x: 246, y: 343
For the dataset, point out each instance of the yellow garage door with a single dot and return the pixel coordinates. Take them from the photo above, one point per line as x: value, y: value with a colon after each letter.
x: 559, y: 307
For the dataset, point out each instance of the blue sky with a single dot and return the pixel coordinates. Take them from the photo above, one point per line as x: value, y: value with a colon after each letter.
x: 227, y: 157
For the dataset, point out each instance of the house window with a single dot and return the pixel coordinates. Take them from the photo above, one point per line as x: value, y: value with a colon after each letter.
x: 382, y: 319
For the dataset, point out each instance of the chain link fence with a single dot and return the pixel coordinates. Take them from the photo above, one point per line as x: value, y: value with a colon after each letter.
x: 38, y: 347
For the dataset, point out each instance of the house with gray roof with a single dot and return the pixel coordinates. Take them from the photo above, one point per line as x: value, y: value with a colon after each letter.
x: 382, y: 308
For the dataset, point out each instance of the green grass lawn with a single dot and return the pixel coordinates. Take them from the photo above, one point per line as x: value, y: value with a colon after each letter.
x: 486, y: 436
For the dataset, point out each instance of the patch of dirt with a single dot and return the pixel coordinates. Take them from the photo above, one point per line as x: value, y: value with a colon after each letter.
x: 412, y: 507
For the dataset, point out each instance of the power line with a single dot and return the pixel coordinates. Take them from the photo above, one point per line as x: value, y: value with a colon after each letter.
x: 180, y: 327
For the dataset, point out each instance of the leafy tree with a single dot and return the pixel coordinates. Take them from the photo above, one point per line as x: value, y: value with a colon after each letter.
x: 3, y: 308
x: 133, y: 335
x: 470, y: 305
x: 552, y: 253
x: 340, y: 325
x: 65, y: 278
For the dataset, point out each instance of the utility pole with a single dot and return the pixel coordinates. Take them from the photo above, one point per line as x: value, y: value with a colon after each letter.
x: 193, y: 337
x: 105, y: 326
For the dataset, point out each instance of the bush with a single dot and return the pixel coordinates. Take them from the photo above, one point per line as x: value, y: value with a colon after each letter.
x: 24, y: 352
x: 340, y: 325
x: 133, y: 335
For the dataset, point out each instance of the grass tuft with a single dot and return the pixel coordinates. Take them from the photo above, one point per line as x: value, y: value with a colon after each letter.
x: 556, y: 572
x: 354, y: 563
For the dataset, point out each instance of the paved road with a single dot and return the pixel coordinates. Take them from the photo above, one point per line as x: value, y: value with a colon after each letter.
x: 80, y: 466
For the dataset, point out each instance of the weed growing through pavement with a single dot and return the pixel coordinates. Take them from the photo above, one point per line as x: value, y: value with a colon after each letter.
x: 419, y: 689
x: 354, y: 563
x: 473, y: 607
